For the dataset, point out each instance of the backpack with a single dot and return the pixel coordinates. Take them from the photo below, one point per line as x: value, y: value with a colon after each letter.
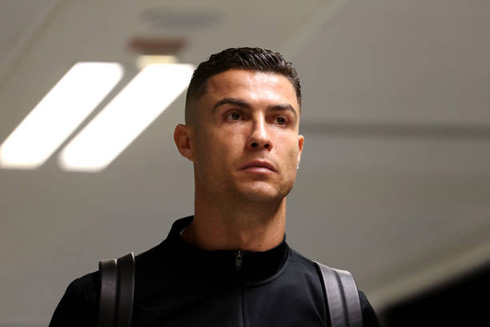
x: 117, y: 294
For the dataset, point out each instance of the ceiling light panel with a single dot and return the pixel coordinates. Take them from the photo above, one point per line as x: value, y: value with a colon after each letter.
x: 126, y: 117
x: 58, y: 114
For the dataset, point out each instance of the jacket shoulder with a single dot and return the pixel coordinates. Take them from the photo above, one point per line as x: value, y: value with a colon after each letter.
x: 78, y: 306
x: 368, y: 314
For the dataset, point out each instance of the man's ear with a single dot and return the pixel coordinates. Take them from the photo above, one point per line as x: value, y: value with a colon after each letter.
x: 301, y: 141
x: 183, y: 141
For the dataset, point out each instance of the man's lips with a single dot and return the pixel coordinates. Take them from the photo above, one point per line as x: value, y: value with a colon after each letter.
x: 258, y: 165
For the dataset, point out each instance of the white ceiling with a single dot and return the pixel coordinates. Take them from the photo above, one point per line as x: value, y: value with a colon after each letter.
x: 394, y: 183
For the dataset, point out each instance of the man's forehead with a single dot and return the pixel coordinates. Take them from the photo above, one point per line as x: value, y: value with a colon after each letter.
x: 238, y: 81
x: 242, y: 76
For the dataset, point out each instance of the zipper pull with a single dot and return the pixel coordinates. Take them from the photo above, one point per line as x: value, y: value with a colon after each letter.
x: 238, y: 260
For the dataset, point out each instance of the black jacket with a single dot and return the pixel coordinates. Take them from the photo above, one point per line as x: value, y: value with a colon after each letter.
x: 178, y: 284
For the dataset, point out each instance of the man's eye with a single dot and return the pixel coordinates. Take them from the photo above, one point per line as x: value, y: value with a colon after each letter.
x: 234, y: 116
x: 281, y: 121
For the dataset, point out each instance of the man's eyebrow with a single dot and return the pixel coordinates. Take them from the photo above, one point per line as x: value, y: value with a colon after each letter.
x: 283, y: 107
x: 232, y: 101
x: 243, y: 104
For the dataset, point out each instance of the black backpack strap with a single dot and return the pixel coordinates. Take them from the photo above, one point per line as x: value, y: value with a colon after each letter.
x: 342, y: 297
x: 116, y: 291
x: 126, y: 290
x: 108, y: 293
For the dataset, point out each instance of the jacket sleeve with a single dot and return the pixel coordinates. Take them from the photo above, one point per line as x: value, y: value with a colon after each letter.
x: 78, y: 306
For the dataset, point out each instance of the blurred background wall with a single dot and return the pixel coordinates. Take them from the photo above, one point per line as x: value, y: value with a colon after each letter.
x: 394, y: 183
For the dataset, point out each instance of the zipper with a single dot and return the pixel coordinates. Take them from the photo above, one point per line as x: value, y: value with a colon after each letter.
x: 239, y: 292
x: 240, y: 318
x: 238, y: 260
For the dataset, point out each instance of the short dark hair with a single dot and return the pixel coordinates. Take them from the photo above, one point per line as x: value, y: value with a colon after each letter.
x: 253, y: 59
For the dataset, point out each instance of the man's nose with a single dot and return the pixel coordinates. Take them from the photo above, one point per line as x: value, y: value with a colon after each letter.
x: 259, y: 138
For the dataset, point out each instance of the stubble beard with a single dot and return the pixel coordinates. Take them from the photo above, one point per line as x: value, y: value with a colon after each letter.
x: 244, y: 191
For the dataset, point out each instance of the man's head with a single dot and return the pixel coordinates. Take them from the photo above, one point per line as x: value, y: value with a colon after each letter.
x: 251, y: 59
x: 242, y: 127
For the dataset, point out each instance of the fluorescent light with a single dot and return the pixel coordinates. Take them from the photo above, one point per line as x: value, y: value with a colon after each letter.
x: 58, y: 114
x: 126, y: 117
x: 148, y: 60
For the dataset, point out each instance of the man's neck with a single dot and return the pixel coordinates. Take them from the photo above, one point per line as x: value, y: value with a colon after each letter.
x: 237, y: 226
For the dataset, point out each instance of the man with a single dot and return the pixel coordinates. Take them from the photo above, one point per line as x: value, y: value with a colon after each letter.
x: 229, y: 264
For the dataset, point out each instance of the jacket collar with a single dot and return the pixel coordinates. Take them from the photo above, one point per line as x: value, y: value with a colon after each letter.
x: 253, y: 266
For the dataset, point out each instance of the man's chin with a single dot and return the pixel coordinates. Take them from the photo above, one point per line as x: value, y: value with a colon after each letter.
x: 261, y: 192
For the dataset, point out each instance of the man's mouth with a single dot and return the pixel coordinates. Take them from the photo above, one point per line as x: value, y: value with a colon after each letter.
x: 259, y: 166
